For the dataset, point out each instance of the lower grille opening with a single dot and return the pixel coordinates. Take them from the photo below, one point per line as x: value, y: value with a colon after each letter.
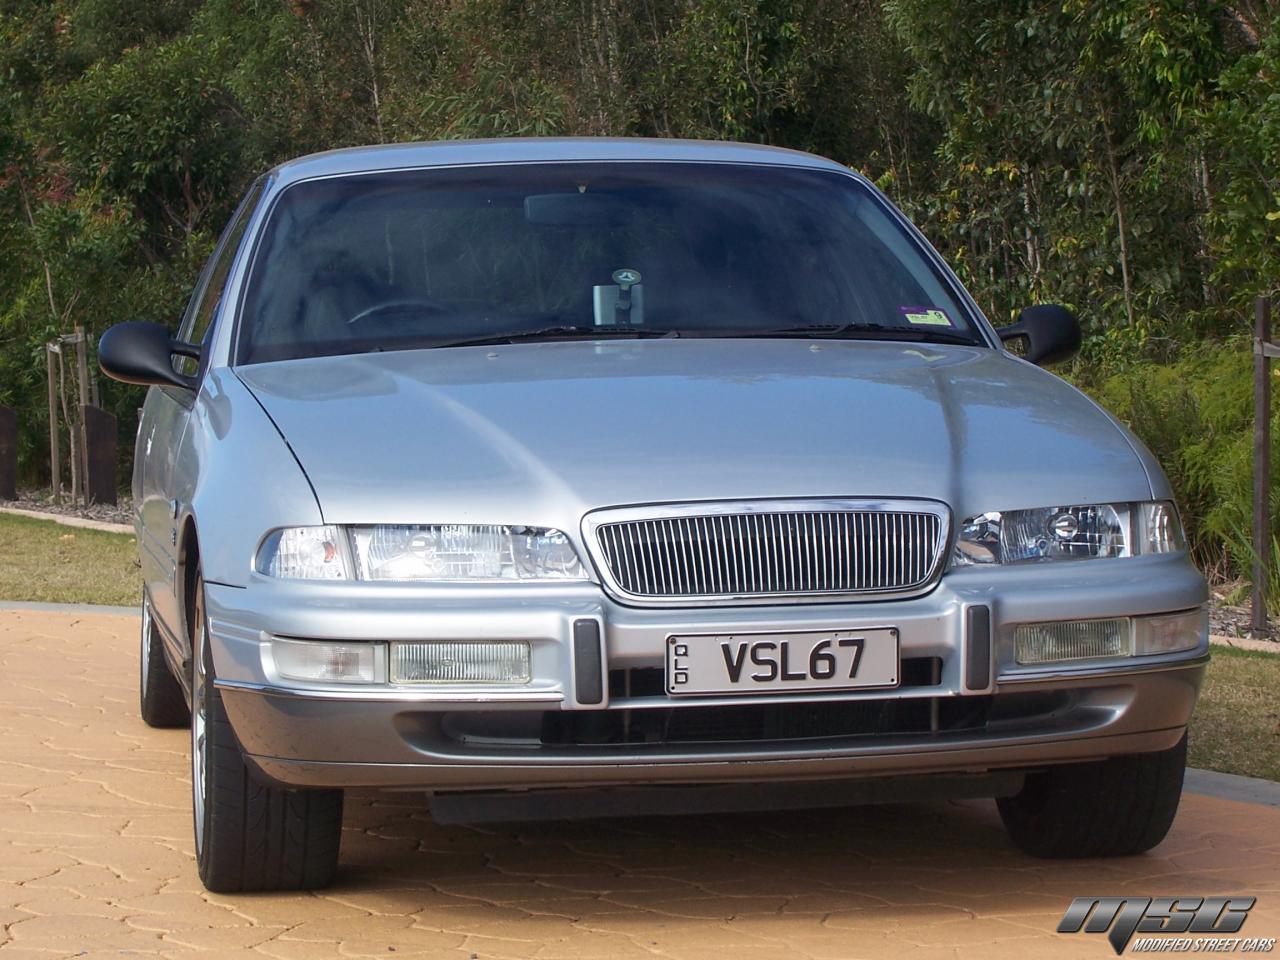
x: 754, y: 723
x: 561, y: 730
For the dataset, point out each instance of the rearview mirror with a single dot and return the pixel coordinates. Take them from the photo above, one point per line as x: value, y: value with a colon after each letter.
x: 1051, y: 333
x: 142, y: 352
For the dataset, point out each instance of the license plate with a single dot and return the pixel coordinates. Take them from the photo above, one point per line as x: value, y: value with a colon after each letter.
x: 782, y: 663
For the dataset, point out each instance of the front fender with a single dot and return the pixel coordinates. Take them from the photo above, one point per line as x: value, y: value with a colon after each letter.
x: 237, y: 479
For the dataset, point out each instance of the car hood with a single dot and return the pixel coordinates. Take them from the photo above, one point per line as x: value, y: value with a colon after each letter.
x: 541, y: 433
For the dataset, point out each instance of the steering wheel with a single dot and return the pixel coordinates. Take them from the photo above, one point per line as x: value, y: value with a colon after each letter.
x: 389, y: 307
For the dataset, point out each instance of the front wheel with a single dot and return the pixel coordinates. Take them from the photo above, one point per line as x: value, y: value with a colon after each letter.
x: 249, y: 836
x: 1109, y: 808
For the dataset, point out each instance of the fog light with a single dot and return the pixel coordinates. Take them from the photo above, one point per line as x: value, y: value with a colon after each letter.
x: 329, y: 662
x: 457, y: 661
x: 1073, y: 640
x: 1171, y: 633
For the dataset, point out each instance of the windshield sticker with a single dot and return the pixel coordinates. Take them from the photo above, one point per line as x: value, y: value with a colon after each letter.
x: 926, y: 316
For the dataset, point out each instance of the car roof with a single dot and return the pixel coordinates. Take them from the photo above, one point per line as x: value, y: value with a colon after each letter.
x: 441, y: 153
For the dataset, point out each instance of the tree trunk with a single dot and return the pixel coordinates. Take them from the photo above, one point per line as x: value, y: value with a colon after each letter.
x: 73, y: 447
x: 1113, y: 168
x: 1029, y: 234
x: 1200, y: 176
x: 367, y: 31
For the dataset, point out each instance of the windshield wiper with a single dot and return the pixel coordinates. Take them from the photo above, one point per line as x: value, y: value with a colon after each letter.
x: 870, y: 331
x: 558, y: 332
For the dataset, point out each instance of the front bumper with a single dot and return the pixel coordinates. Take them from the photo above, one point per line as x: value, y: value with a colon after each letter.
x: 945, y: 718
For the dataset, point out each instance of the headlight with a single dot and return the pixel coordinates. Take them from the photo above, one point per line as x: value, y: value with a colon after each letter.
x: 439, y: 552
x: 1070, y: 533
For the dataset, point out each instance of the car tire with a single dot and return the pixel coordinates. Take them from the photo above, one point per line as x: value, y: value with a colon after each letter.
x: 160, y: 698
x: 1110, y: 808
x: 250, y: 836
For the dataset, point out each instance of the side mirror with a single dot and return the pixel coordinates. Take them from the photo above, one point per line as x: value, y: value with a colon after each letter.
x: 1052, y: 333
x: 142, y: 352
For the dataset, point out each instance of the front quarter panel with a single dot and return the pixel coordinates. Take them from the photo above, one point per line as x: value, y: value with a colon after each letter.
x: 1160, y: 486
x: 237, y: 479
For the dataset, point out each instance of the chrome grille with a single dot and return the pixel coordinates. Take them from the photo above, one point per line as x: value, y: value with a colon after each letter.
x: 771, y: 552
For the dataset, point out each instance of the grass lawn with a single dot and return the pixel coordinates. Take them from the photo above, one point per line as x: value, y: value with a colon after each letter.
x: 47, y: 561
x: 1236, y: 728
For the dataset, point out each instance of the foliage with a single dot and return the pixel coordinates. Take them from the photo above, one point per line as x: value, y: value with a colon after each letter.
x: 1196, y: 416
x: 1065, y: 170
x: 1243, y: 125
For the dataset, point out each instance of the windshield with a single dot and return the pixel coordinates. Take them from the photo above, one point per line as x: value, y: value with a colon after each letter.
x: 446, y: 257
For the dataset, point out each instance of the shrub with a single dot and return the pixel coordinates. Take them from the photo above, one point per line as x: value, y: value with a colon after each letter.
x: 1196, y: 415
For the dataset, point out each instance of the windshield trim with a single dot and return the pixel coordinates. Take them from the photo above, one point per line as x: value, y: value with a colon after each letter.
x: 984, y: 330
x: 409, y: 344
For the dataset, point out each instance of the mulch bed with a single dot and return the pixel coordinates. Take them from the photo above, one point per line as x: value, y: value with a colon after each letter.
x: 40, y: 500
x: 1226, y: 620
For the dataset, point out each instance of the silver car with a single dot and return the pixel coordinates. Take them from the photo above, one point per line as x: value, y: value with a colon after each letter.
x: 573, y: 477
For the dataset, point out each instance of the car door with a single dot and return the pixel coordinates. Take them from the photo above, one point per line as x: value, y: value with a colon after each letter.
x: 168, y: 475
x: 159, y: 431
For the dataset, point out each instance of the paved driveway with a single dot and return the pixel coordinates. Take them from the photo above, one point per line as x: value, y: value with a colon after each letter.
x: 96, y: 858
